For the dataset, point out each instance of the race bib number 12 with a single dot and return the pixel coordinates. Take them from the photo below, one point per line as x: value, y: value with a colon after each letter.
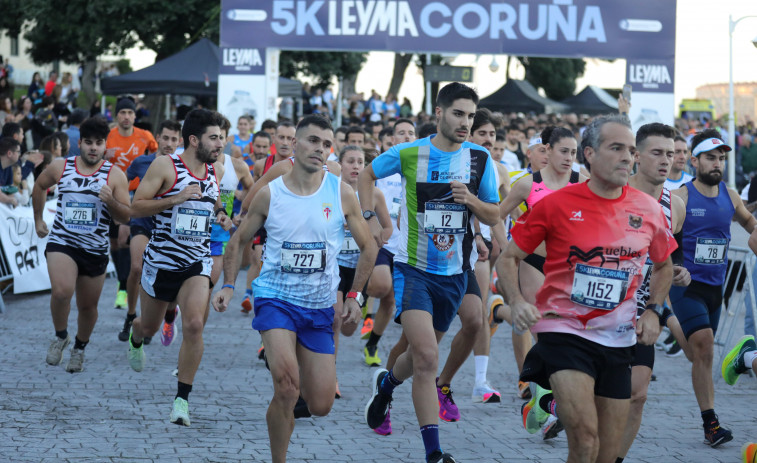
x: 445, y: 218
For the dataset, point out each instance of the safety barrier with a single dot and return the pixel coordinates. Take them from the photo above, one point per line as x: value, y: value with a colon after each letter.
x: 6, y: 274
x: 739, y: 286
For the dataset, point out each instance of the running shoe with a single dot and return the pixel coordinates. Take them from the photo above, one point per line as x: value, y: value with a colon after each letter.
x: 714, y: 434
x: 438, y: 457
x: 495, y: 303
x: 666, y: 343
x: 533, y: 416
x: 76, y: 361
x: 337, y: 392
x: 246, y: 305
x: 448, y: 410
x: 386, y: 427
x: 121, y: 301
x: 551, y: 428
x: 377, y: 408
x: 749, y: 452
x: 136, y: 356
x: 524, y: 390
x: 365, y: 331
x: 180, y: 412
x: 674, y: 350
x: 55, y: 351
x: 371, y: 356
x: 301, y: 409
x: 486, y: 394
x: 147, y: 340
x: 123, y: 335
x: 733, y: 364
x: 261, y: 352
x: 167, y: 334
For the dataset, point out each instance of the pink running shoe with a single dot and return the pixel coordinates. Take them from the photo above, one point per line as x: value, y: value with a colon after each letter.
x: 168, y: 331
x: 448, y: 411
x: 386, y: 427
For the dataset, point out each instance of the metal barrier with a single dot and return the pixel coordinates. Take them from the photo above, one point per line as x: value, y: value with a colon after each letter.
x: 737, y: 288
x: 5, y: 275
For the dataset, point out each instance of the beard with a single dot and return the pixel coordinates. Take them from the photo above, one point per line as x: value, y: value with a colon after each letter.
x: 712, y: 178
x: 86, y: 160
x: 448, y: 132
x: 205, y: 155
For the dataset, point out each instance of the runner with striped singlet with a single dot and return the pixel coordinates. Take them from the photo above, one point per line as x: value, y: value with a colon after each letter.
x: 296, y: 290
x: 710, y: 208
x: 446, y: 180
x: 169, y: 133
x: 91, y: 195
x: 654, y: 157
x: 181, y: 192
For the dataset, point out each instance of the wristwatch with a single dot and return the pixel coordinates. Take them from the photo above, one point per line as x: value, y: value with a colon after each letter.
x: 368, y: 214
x: 657, y: 309
x: 357, y: 296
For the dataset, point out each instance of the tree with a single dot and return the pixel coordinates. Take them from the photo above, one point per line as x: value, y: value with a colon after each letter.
x: 169, y: 30
x: 557, y: 76
x: 401, y: 62
x: 12, y: 17
x: 323, y: 66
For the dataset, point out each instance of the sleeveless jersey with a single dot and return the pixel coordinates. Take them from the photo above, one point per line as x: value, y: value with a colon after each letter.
x: 516, y: 175
x: 642, y: 294
x: 268, y: 163
x: 435, y: 232
x: 242, y: 143
x: 707, y: 234
x: 81, y: 218
x: 539, y: 190
x: 299, y: 262
x: 350, y: 253
x: 391, y: 187
x: 182, y: 233
x: 228, y: 186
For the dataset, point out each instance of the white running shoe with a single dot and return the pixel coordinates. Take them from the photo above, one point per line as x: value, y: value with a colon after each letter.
x: 180, y: 412
x: 484, y: 393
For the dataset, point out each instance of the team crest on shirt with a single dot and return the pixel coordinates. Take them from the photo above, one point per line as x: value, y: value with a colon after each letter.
x: 327, y: 210
x: 634, y: 221
x: 443, y: 242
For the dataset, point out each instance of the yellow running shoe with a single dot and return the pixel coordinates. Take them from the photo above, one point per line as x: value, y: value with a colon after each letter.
x: 121, y: 301
x: 371, y: 356
x: 733, y: 364
x: 749, y: 452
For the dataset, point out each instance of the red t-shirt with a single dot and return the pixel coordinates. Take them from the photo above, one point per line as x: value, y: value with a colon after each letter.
x: 596, y: 249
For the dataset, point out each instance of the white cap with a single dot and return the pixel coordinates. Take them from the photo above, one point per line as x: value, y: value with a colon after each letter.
x: 534, y: 141
x: 709, y: 145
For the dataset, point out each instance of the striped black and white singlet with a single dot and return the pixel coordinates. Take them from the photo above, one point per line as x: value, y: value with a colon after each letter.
x: 642, y: 294
x: 81, y: 218
x: 182, y: 233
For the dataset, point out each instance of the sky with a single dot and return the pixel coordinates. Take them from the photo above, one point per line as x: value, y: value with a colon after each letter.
x: 701, y: 56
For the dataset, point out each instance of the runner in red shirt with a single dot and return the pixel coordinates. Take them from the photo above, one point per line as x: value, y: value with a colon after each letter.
x: 597, y: 236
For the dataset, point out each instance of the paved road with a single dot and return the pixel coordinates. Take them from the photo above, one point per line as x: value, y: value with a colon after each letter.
x: 110, y: 413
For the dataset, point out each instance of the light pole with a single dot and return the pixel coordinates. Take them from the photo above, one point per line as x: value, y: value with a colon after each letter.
x: 731, y: 124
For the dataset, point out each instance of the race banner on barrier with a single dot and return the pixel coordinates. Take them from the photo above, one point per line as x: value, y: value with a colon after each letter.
x: 24, y: 251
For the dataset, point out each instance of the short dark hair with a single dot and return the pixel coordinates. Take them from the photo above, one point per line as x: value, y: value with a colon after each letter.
x: 170, y: 125
x: 500, y: 135
x: 197, y: 122
x: 10, y: 129
x: 354, y: 129
x: 314, y: 119
x: 386, y: 131
x: 704, y: 135
x: 513, y: 127
x: 427, y: 129
x: 654, y: 129
x: 94, y: 128
x: 225, y: 123
x: 679, y: 137
x: 455, y: 91
x: 403, y: 120
x: 262, y: 134
x: 350, y: 148
x: 551, y: 135
x: 284, y: 123
x: 78, y: 116
x: 8, y: 144
x: 483, y: 116
x: 268, y: 124
x: 343, y: 129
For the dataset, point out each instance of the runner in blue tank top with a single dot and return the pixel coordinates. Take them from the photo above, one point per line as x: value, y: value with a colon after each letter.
x: 706, y: 234
x: 297, y: 286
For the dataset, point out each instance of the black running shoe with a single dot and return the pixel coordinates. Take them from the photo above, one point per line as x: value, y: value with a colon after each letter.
x: 439, y: 457
x: 378, y: 406
x: 123, y: 336
x: 301, y: 409
x: 714, y: 434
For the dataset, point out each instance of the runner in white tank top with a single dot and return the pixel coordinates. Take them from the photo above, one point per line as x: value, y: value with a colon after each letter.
x: 304, y: 213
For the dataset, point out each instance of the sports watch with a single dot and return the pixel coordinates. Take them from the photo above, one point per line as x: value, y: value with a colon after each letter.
x: 368, y: 214
x: 657, y: 309
x: 357, y: 296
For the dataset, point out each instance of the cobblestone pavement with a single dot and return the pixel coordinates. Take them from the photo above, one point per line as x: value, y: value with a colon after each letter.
x: 109, y: 413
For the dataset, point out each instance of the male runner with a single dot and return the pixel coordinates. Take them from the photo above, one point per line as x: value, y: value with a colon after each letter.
x: 296, y: 290
x: 597, y: 235
x: 181, y: 191
x: 91, y: 194
x: 124, y: 144
x: 654, y: 156
x: 261, y: 145
x: 141, y: 228
x: 678, y: 175
x: 706, y: 234
x: 446, y: 180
